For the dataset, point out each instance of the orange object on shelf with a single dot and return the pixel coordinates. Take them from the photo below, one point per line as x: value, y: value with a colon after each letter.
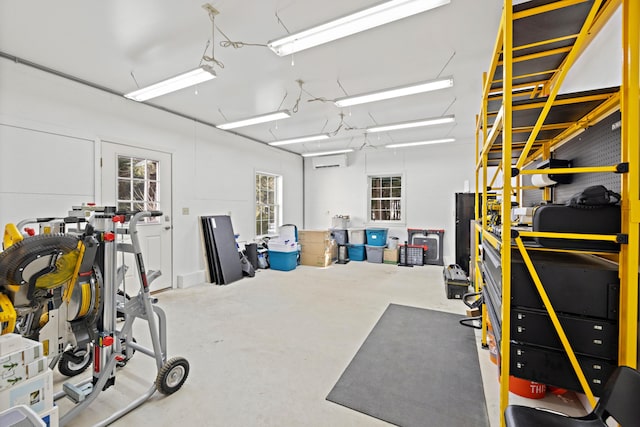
x: 556, y: 390
x: 491, y: 342
x: 526, y: 388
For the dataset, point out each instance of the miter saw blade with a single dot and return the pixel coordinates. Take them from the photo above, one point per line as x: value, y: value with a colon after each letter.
x: 48, y: 258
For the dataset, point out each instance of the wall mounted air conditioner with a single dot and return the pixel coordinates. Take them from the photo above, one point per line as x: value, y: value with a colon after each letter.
x: 337, y: 161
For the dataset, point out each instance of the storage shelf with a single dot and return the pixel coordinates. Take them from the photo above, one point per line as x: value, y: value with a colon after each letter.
x: 523, y: 120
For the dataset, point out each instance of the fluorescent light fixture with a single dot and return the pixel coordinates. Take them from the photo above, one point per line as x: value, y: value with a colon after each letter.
x: 284, y: 114
x: 366, y: 19
x: 413, y: 124
x: 414, y: 144
x: 301, y: 139
x: 395, y: 92
x: 181, y: 81
x: 327, y: 153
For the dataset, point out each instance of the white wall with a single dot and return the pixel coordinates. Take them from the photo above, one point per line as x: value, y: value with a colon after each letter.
x: 432, y: 176
x: 48, y: 126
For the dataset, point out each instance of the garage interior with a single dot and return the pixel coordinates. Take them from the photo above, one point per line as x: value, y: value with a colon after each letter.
x: 282, y: 249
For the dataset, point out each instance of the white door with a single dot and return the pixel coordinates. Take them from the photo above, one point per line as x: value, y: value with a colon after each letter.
x: 140, y: 179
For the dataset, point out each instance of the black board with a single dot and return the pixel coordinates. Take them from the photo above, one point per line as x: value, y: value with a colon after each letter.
x: 223, y: 261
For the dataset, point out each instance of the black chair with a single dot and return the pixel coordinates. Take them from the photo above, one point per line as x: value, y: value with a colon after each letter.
x: 620, y: 400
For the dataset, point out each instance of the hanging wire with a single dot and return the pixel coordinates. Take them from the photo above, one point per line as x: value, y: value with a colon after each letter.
x: 237, y: 44
x: 449, y: 106
x: 282, y: 102
x: 447, y: 63
x: 282, y: 23
x: 326, y: 122
x: 212, y: 16
x: 134, y: 80
x: 296, y: 106
x: 222, y: 114
x: 335, y: 132
x: 340, y: 84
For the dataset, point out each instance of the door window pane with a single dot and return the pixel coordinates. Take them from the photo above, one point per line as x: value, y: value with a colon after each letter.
x: 138, y: 184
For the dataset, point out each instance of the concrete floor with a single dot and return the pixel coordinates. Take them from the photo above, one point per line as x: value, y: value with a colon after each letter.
x: 266, y: 351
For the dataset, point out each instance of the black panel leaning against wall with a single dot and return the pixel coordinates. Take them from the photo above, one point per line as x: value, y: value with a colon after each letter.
x: 599, y: 145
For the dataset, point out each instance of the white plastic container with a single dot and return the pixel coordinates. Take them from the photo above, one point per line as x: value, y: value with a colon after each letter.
x: 357, y: 236
x: 393, y: 243
x: 20, y: 416
x: 340, y: 221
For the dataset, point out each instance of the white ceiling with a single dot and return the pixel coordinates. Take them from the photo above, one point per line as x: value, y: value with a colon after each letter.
x: 105, y: 42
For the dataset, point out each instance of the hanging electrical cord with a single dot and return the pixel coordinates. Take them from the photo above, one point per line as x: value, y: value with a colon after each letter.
x: 238, y: 44
x: 212, y: 16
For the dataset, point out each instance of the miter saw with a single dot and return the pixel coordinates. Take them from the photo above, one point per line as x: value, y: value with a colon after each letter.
x: 60, y: 287
x: 49, y: 292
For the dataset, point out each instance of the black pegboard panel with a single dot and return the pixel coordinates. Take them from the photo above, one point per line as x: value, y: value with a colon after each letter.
x: 598, y: 145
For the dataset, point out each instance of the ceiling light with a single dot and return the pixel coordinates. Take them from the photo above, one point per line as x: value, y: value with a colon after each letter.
x: 301, y: 139
x: 413, y: 144
x: 366, y: 19
x: 326, y: 153
x: 413, y: 124
x: 395, y: 92
x: 181, y: 81
x: 255, y: 120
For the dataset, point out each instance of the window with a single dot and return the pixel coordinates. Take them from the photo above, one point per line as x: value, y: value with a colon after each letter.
x: 268, y: 203
x: 385, y: 198
x: 138, y: 184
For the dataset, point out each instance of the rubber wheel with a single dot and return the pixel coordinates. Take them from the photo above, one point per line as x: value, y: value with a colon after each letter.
x: 69, y: 368
x: 172, y: 375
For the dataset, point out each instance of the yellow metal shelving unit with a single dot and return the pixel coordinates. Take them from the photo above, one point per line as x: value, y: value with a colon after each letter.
x: 522, y: 119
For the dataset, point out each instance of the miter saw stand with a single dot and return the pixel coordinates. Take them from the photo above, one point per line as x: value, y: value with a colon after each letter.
x: 108, y: 345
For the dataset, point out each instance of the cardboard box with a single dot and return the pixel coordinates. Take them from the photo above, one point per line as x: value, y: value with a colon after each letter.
x: 22, y: 364
x: 313, y: 236
x: 390, y: 256
x: 12, y: 373
x: 323, y: 260
x: 10, y: 343
x: 319, y: 254
x: 36, y: 393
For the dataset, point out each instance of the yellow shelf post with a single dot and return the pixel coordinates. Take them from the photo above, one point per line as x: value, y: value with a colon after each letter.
x: 507, y: 124
x: 630, y: 140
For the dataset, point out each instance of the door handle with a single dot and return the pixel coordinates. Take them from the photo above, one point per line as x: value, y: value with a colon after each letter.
x: 168, y: 227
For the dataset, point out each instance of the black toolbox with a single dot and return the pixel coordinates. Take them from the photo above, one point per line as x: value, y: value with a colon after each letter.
x: 456, y: 282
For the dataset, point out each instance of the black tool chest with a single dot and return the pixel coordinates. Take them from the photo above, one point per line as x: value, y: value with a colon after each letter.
x: 584, y: 291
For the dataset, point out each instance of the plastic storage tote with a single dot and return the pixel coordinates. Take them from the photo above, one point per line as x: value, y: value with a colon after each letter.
x: 283, y: 261
x: 340, y: 236
x: 356, y: 252
x: 357, y: 236
x: 377, y: 236
x: 374, y: 253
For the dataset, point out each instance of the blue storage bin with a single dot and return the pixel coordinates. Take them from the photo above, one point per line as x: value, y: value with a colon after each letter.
x: 356, y: 252
x: 376, y: 236
x: 283, y: 261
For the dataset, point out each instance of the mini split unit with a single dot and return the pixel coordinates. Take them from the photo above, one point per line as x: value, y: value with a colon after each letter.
x: 336, y: 161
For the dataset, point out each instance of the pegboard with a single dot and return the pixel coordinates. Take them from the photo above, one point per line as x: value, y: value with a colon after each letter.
x: 598, y: 145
